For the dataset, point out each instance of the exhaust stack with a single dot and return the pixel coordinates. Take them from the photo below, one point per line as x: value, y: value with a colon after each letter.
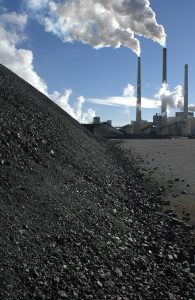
x: 138, y: 106
x: 186, y: 91
x: 164, y: 81
x: 164, y: 75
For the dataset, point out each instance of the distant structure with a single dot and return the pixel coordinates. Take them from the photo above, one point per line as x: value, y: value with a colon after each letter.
x: 186, y: 92
x: 109, y: 122
x: 182, y: 124
x: 180, y: 115
x: 138, y: 106
x: 96, y: 120
x: 157, y: 121
x: 164, y: 74
x: 164, y: 81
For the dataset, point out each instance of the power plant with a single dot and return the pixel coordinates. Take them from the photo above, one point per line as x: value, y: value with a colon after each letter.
x: 182, y: 124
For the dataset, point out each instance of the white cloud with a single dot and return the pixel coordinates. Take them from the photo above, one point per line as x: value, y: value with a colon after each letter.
x: 77, y: 111
x: 19, y: 20
x: 36, y: 4
x: 100, y: 23
x: 20, y: 61
x: 17, y: 59
x: 127, y: 100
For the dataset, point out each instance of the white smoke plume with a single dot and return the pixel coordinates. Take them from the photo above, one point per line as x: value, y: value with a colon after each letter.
x: 100, y: 23
x: 164, y: 97
x: 20, y: 61
x: 129, y: 90
x: 170, y: 99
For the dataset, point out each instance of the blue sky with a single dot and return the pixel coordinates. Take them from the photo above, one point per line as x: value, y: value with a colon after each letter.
x: 71, y: 70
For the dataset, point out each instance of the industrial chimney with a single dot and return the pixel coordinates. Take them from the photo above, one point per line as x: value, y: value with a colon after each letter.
x: 138, y: 106
x: 186, y: 92
x: 164, y: 81
x: 164, y: 75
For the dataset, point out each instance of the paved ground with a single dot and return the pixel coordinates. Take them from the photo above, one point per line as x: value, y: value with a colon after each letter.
x: 171, y: 162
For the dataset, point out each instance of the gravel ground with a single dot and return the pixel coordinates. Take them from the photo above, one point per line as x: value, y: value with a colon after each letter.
x: 170, y: 163
x: 77, y: 220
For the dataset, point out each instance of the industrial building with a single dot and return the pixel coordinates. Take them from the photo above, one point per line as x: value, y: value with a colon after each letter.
x: 182, y: 124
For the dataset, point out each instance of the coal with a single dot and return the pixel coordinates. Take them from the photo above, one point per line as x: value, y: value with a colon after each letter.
x: 78, y: 221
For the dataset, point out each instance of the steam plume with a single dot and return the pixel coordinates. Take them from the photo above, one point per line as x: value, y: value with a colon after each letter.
x: 100, y: 23
x: 170, y: 99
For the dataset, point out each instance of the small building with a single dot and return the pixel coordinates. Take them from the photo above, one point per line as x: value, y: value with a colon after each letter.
x: 157, y: 121
x: 109, y: 122
x: 180, y: 115
x: 128, y: 129
x: 189, y: 128
x: 96, y: 120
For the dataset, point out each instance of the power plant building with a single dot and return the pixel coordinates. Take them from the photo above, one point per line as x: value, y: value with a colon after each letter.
x: 182, y: 124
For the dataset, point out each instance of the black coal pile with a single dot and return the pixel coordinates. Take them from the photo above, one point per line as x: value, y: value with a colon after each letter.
x: 104, y: 131
x: 76, y: 219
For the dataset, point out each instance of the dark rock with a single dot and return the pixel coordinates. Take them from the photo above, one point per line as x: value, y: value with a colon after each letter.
x: 171, y: 296
x: 62, y: 294
x: 192, y: 268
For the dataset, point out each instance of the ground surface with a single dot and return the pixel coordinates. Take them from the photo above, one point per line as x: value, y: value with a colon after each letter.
x: 76, y: 218
x: 170, y: 162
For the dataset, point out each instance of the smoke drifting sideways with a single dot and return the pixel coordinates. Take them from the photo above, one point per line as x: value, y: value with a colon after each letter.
x: 170, y: 99
x: 100, y: 23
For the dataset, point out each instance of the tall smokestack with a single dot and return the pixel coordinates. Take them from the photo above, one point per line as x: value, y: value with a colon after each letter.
x: 164, y: 81
x: 138, y: 106
x: 186, y: 91
x: 164, y: 75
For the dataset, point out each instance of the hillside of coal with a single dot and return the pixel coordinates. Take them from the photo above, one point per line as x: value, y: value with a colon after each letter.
x: 76, y: 218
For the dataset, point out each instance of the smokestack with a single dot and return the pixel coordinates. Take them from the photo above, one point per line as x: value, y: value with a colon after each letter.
x: 138, y: 106
x: 186, y: 92
x: 164, y: 76
x: 164, y: 81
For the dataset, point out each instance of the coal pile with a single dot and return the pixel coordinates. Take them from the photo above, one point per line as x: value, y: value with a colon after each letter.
x: 105, y: 131
x: 76, y: 218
